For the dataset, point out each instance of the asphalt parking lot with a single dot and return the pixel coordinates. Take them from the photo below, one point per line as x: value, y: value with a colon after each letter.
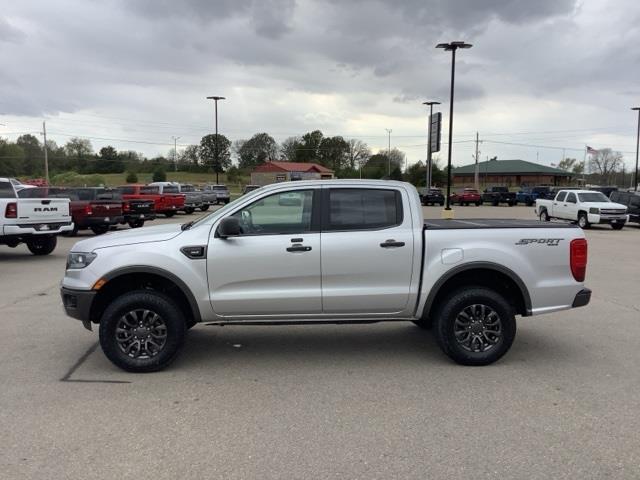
x: 358, y: 402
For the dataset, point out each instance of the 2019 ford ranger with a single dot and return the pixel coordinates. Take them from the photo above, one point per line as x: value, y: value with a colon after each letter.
x: 34, y: 221
x: 345, y: 251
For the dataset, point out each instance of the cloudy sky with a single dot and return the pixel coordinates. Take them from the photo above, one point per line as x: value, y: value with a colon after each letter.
x: 542, y: 75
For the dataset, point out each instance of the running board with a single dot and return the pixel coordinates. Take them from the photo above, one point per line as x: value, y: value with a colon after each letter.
x: 299, y: 322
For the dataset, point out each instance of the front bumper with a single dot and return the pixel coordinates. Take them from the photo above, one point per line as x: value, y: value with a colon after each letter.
x: 77, y: 304
x: 582, y: 298
x: 606, y: 219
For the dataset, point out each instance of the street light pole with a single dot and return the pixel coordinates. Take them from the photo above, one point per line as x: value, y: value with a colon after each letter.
x: 175, y: 153
x: 389, y: 152
x: 635, y: 174
x: 429, y: 153
x: 217, y: 160
x: 452, y: 47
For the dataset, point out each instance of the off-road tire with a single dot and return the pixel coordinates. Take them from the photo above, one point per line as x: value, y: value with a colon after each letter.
x: 449, y: 311
x: 155, y: 302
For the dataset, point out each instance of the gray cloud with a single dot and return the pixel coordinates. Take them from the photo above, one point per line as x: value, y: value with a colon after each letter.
x: 9, y: 33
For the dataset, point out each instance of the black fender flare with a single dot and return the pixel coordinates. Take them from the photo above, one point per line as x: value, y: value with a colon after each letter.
x: 193, y: 304
x: 477, y: 266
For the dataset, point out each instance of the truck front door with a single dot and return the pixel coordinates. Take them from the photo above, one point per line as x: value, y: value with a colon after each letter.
x: 273, y: 266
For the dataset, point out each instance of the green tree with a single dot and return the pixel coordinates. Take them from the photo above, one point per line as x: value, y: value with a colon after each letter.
x: 33, y: 162
x: 159, y: 174
x: 79, y: 152
x: 207, y: 152
x: 333, y: 153
x: 378, y: 165
x: 132, y: 177
x: 11, y: 159
x: 258, y: 149
x: 289, y: 149
x: 357, y: 154
x: 309, y: 148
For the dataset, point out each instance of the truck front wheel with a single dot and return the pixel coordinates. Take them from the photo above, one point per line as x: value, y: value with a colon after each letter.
x: 42, y: 245
x: 475, y: 326
x: 142, y: 331
x: 583, y: 222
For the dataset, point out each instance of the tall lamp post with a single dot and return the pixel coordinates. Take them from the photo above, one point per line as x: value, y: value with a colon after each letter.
x: 429, y: 163
x: 635, y: 174
x: 217, y: 164
x: 175, y: 153
x: 451, y: 47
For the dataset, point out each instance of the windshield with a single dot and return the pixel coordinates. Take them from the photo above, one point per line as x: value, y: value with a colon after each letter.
x: 170, y: 189
x: 148, y: 190
x: 218, y: 188
x: 593, y: 197
x: 187, y: 188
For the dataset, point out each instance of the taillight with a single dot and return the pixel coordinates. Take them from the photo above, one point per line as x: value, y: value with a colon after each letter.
x: 88, y: 210
x: 126, y: 207
x: 11, y: 211
x: 578, y: 258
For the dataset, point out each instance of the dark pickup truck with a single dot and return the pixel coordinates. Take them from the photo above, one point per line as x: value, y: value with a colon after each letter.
x: 135, y: 211
x: 167, y: 204
x: 89, y: 209
x: 498, y: 195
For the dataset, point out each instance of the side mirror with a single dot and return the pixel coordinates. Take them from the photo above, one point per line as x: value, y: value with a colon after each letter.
x: 229, y: 227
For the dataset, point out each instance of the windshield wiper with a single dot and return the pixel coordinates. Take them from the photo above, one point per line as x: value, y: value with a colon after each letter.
x: 186, y: 226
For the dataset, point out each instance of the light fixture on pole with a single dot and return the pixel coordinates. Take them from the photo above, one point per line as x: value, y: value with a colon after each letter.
x: 429, y: 162
x: 635, y: 173
x: 217, y: 160
x: 451, y: 47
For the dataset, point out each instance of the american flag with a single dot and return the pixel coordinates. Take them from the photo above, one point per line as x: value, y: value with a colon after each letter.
x: 591, y: 150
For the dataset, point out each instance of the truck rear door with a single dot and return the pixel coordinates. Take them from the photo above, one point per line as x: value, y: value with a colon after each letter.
x: 367, y: 251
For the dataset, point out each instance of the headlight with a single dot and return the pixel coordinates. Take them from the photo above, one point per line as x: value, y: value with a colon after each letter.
x: 594, y: 210
x: 77, y: 260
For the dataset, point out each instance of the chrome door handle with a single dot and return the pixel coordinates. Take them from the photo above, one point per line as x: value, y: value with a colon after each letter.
x: 298, y: 248
x: 391, y: 244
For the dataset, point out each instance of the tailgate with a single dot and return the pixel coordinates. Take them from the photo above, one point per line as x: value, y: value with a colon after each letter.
x: 141, y: 206
x: 43, y: 210
x: 106, y: 209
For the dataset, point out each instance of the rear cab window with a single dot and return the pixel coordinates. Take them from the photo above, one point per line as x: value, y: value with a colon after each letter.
x: 6, y: 190
x: 362, y: 209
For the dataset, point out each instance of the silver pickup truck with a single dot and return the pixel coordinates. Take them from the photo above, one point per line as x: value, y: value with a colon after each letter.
x: 309, y: 252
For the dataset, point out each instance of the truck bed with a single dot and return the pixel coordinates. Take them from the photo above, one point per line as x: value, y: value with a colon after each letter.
x: 490, y: 223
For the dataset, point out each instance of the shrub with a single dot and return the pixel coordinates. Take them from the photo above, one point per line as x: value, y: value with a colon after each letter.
x: 159, y: 175
x: 132, y: 177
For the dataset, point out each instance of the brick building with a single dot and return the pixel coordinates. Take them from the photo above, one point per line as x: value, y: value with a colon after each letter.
x: 510, y: 173
x: 273, y: 172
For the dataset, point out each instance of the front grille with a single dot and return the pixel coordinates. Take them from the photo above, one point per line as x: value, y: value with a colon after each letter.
x: 609, y: 211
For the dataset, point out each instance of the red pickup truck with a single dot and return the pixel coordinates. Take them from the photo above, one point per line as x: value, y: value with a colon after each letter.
x: 89, y: 209
x: 466, y: 196
x: 168, y: 204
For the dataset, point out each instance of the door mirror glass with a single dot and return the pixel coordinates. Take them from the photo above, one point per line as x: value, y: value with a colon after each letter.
x: 229, y: 227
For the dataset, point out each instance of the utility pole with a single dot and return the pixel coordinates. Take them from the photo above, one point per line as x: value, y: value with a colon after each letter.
x: 635, y: 173
x: 217, y: 160
x: 46, y: 158
x: 175, y: 153
x: 476, y: 176
x: 389, y: 152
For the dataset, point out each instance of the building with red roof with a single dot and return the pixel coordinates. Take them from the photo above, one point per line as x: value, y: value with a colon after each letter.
x: 273, y: 172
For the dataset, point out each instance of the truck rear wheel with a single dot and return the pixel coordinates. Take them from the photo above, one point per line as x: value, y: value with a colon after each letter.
x: 475, y: 326
x: 136, y: 223
x: 169, y: 214
x: 43, y: 245
x: 204, y: 208
x: 142, y: 331
x: 617, y: 226
x: 544, y: 216
x: 189, y: 210
x: 100, y: 229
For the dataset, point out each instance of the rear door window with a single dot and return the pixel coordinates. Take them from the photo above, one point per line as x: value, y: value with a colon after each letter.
x: 571, y: 198
x: 362, y: 209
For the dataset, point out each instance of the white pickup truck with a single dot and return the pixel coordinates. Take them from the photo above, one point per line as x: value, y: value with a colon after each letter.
x: 309, y: 252
x: 585, y: 207
x: 34, y: 221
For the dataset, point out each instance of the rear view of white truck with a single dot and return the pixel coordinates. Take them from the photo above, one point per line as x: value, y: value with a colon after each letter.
x: 33, y: 221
